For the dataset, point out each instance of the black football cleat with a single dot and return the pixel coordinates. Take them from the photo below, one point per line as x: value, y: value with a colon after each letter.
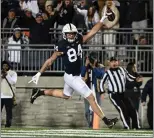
x: 111, y: 122
x: 35, y: 94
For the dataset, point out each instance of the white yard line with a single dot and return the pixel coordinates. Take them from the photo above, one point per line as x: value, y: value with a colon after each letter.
x: 87, y: 133
x: 74, y: 135
x: 42, y: 133
x: 6, y: 136
x: 78, y: 131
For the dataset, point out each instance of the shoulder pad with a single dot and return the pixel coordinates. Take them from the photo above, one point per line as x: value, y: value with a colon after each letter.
x: 60, y: 46
x: 80, y: 37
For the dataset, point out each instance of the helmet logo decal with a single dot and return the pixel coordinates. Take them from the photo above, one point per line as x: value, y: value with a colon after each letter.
x: 70, y: 26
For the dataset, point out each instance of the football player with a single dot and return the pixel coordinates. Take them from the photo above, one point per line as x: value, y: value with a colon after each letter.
x: 70, y: 49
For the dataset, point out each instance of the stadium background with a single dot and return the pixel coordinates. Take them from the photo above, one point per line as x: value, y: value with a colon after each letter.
x: 50, y: 112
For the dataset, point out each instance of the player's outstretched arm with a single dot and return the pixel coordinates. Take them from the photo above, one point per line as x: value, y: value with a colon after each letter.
x: 46, y: 65
x: 96, y: 28
x: 49, y: 62
x: 92, y: 32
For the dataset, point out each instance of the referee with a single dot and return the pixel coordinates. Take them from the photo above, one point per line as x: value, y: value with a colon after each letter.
x: 115, y: 78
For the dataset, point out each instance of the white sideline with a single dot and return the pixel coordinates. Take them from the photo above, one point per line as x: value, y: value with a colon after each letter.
x: 78, y: 131
x: 74, y: 133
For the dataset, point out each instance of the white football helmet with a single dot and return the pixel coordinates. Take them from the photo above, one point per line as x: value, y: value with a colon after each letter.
x: 69, y: 28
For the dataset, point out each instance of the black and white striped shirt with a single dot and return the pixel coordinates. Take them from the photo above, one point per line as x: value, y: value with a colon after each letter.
x: 116, y: 80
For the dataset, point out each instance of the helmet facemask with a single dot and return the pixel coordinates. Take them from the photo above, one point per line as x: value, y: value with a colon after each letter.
x: 71, y: 36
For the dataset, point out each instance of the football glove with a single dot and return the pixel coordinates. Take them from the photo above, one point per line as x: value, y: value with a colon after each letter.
x: 35, y: 78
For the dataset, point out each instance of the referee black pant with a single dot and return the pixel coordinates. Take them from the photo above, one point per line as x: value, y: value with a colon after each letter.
x: 125, y: 109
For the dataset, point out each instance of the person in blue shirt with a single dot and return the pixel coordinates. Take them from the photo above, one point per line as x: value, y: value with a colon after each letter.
x: 92, y: 72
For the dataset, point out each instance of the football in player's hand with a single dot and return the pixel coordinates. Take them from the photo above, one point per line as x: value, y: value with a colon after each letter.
x: 110, y: 14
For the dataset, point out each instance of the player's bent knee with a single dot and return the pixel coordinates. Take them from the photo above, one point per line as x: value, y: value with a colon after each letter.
x: 91, y: 98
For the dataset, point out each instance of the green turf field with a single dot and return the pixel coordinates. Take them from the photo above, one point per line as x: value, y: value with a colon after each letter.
x: 73, y: 133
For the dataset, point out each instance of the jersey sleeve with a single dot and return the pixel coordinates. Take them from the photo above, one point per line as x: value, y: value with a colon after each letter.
x: 59, y: 48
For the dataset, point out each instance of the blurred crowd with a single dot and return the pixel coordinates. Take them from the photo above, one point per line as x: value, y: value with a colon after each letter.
x: 41, y: 21
x: 41, y: 15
